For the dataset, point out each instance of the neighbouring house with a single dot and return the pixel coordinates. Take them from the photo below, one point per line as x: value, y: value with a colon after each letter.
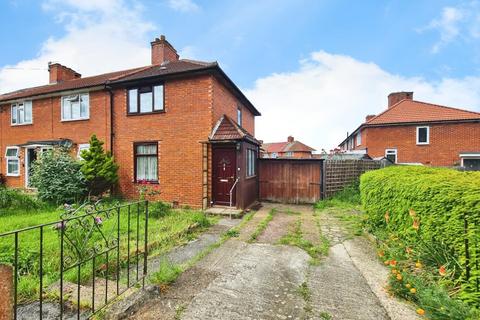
x: 288, y: 149
x: 179, y: 124
x: 415, y: 132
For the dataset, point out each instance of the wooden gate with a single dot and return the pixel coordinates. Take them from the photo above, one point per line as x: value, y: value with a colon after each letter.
x: 290, y: 180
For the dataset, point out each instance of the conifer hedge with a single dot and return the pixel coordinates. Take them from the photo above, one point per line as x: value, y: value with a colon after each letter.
x: 430, y: 208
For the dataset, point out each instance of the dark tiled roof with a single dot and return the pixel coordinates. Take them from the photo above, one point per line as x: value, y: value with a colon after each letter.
x: 226, y: 129
x: 112, y: 77
x: 407, y: 111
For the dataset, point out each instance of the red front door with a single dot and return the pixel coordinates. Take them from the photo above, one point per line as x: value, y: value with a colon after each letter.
x: 224, y: 175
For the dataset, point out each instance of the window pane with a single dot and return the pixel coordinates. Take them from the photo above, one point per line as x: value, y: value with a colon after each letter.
x: 66, y: 109
x: 239, y: 116
x: 147, y: 168
x: 158, y: 96
x: 132, y: 100
x: 21, y: 114
x: 14, y: 114
x: 146, y: 102
x: 146, y: 149
x: 84, y: 105
x: 28, y: 111
x: 75, y: 107
x: 11, y: 152
x: 422, y: 135
x: 12, y: 166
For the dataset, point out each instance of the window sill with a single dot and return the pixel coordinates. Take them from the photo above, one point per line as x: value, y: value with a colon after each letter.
x: 21, y: 124
x: 12, y: 175
x: 423, y: 143
x: 72, y: 120
x: 134, y: 114
x: 147, y: 183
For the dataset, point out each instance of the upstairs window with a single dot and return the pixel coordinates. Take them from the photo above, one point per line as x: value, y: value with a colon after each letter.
x: 146, y: 162
x: 251, y: 160
x: 146, y: 99
x: 359, y: 138
x: 13, y: 161
x: 75, y: 107
x: 239, y: 116
x: 21, y: 113
x: 423, y: 135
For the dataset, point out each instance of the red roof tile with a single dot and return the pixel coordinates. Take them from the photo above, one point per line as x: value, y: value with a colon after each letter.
x: 113, y: 77
x: 295, y: 146
x: 408, y: 111
x: 227, y: 129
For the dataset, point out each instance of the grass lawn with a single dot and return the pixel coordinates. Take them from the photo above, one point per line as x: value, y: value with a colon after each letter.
x: 165, y: 230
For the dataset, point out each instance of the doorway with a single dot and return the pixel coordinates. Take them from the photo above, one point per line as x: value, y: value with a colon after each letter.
x: 224, y: 176
x: 30, y: 157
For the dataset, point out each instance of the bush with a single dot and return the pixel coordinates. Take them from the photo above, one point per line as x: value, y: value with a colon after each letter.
x: 12, y: 198
x: 158, y: 209
x: 57, y: 177
x: 98, y: 168
x: 435, y: 215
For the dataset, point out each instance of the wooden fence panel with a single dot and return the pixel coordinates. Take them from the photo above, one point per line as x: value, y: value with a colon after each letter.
x: 290, y: 180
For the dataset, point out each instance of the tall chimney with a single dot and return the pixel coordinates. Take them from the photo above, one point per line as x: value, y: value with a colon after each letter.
x: 395, y: 97
x: 290, y: 139
x: 369, y: 117
x: 59, y: 73
x: 163, y: 51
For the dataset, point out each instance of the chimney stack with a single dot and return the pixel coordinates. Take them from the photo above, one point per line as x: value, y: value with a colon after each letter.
x: 163, y: 51
x: 395, y: 97
x: 290, y: 139
x: 59, y: 73
x: 369, y: 117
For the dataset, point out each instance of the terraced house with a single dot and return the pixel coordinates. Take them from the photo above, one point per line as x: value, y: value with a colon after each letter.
x: 179, y: 124
x: 416, y: 132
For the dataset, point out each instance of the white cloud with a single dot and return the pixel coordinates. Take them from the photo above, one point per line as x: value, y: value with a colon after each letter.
x: 459, y: 22
x: 183, y: 5
x: 331, y: 94
x: 100, y: 36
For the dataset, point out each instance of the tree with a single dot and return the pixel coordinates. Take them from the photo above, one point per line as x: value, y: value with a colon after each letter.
x: 98, y: 167
x: 57, y: 177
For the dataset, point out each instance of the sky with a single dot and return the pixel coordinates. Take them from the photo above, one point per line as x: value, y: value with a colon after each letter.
x: 314, y: 68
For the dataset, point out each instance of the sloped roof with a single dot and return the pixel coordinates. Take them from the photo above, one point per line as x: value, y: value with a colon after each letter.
x: 408, y: 111
x: 226, y: 129
x: 295, y: 146
x: 172, y: 67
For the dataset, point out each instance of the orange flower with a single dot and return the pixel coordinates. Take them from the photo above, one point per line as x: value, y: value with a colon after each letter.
x: 420, y: 311
x: 408, y: 250
x: 399, y: 277
x: 412, y: 213
x: 416, y: 224
x: 442, y: 271
x: 387, y: 216
x: 386, y: 262
x: 393, y: 263
x: 394, y: 271
x: 413, y: 290
x: 381, y: 253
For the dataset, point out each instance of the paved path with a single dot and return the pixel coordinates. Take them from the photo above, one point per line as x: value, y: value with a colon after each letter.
x: 265, y: 280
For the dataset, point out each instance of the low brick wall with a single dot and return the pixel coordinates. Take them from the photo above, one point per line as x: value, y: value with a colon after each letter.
x: 340, y: 173
x: 6, y: 290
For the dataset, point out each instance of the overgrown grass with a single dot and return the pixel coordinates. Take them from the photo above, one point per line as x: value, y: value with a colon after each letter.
x: 166, y: 274
x: 295, y: 238
x: 348, y: 198
x: 262, y: 225
x: 12, y: 200
x: 166, y: 230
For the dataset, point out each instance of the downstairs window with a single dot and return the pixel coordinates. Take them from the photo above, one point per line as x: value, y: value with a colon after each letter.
x: 146, y: 162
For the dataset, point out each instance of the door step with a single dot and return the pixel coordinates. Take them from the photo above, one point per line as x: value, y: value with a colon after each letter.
x: 231, y: 212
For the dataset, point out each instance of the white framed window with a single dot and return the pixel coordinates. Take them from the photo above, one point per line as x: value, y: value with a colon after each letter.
x: 13, y: 161
x: 21, y: 113
x: 359, y: 138
x: 251, y: 160
x: 274, y: 155
x: 149, y: 99
x: 239, y: 116
x: 289, y: 154
x: 423, y: 135
x: 76, y: 107
x: 81, y: 147
x: 391, y: 154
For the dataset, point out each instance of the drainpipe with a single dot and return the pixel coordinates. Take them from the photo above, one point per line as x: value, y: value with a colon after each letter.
x: 112, y: 134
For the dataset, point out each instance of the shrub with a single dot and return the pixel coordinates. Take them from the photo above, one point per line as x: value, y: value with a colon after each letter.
x: 57, y: 177
x: 98, y: 168
x: 12, y: 198
x: 158, y: 209
x: 435, y: 214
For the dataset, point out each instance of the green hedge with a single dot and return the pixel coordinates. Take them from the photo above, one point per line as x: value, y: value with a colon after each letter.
x: 430, y: 209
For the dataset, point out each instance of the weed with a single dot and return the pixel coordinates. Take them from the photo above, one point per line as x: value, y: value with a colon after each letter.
x: 305, y: 293
x: 179, y: 310
x: 325, y: 315
x: 232, y: 233
x: 262, y: 225
x: 166, y: 274
x: 295, y: 238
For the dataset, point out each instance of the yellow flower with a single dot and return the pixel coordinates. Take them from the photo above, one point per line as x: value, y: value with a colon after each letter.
x: 413, y: 291
x: 399, y: 277
x: 418, y: 265
x: 412, y: 213
x: 394, y: 271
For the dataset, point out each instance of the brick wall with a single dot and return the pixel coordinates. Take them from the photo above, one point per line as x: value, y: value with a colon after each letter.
x: 446, y: 142
x: 47, y: 125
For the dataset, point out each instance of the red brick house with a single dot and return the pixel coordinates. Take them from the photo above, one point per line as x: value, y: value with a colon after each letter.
x: 415, y: 132
x: 288, y: 149
x: 162, y: 122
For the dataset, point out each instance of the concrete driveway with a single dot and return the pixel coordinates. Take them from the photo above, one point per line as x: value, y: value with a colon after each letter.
x: 262, y: 279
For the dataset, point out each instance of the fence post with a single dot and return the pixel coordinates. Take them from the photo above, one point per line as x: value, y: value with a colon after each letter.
x: 6, y: 288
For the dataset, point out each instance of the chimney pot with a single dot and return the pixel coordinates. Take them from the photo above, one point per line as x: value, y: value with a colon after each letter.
x: 290, y: 139
x: 163, y: 51
x: 59, y: 73
x: 369, y: 117
x: 395, y: 97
